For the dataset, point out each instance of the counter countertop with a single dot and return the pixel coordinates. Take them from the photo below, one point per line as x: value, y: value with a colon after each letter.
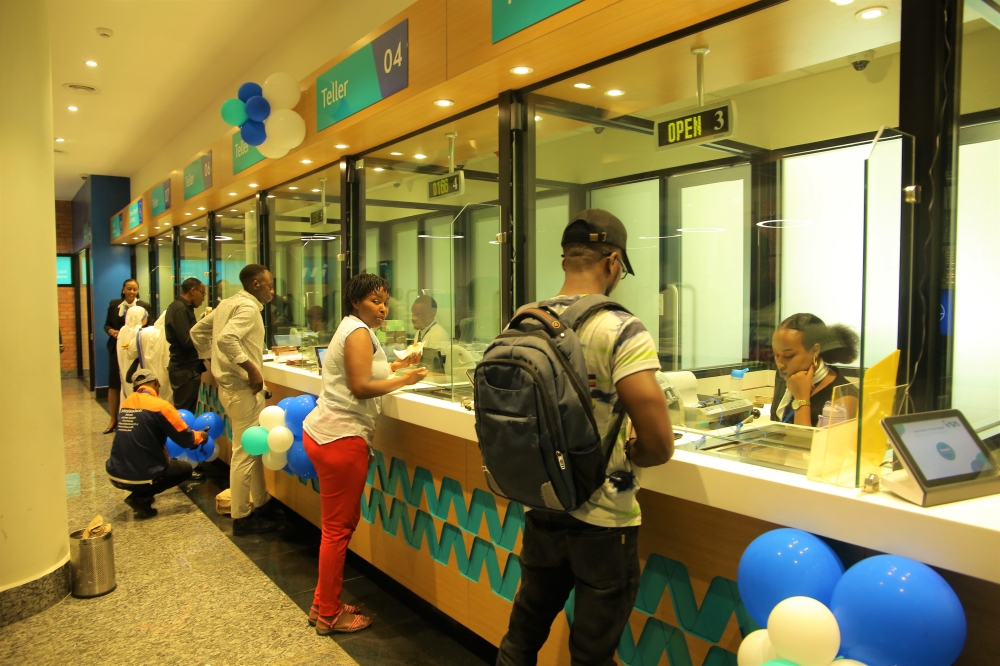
x: 961, y: 536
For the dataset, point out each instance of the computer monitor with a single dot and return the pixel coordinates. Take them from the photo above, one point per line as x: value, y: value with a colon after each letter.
x: 320, y: 354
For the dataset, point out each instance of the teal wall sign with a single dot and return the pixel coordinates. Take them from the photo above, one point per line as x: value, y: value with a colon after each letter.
x: 116, y: 226
x: 198, y: 176
x: 134, y: 214
x: 369, y: 75
x: 510, y: 16
x: 244, y: 155
x: 160, y: 198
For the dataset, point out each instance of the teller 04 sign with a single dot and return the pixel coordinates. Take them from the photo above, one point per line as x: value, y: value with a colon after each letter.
x: 708, y: 123
x: 369, y: 75
x: 447, y: 186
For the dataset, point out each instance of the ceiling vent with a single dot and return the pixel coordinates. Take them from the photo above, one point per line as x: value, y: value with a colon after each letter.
x: 106, y: 33
x: 81, y: 88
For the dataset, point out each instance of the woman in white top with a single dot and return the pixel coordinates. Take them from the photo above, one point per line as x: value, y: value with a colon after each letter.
x: 135, y: 319
x: 338, y: 434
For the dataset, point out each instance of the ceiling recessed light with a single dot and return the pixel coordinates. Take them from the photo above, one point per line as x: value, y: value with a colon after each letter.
x: 521, y: 70
x: 444, y: 102
x: 537, y: 118
x: 341, y: 146
x: 872, y: 13
x: 293, y: 188
x: 252, y: 185
x: 91, y: 63
x: 124, y: 243
x: 59, y: 139
x: 842, y: 2
x: 583, y: 86
x: 187, y: 213
x: 156, y: 227
x: 306, y: 161
x: 72, y: 108
x: 232, y: 194
x: 614, y: 92
x: 316, y: 189
x: 396, y: 153
x: 142, y: 235
x: 233, y: 210
x: 270, y: 196
x: 419, y: 156
x: 378, y: 169
x: 135, y: 238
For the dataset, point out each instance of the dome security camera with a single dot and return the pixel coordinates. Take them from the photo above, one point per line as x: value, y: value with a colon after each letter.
x: 598, y: 129
x: 861, y: 60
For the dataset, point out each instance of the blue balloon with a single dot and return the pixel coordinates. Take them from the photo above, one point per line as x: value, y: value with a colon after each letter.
x: 786, y: 563
x: 295, y: 414
x: 285, y: 402
x: 309, y: 399
x: 187, y: 417
x: 175, y: 450
x: 202, y: 453
x: 894, y: 610
x: 248, y: 90
x: 299, y: 462
x: 253, y: 132
x: 216, y: 424
x: 258, y: 108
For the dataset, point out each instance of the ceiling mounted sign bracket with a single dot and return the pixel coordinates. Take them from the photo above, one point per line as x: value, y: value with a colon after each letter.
x: 451, y: 150
x: 700, y: 52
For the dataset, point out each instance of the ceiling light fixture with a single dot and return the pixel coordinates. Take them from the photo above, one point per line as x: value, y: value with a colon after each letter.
x: 444, y: 102
x: 395, y: 153
x: 447, y: 236
x: 614, y: 92
x: 252, y: 185
x: 72, y: 108
x: 59, y: 139
x: 270, y: 196
x: 306, y: 161
x: 341, y: 146
x: 201, y: 208
x: 293, y: 188
x: 537, y: 118
x: 124, y: 243
x: 232, y: 194
x: 378, y: 169
x: 91, y: 63
x: 316, y: 189
x: 187, y: 213
x: 419, y: 156
x: 156, y: 227
x: 142, y: 235
x: 841, y: 2
x: 872, y: 13
x: 583, y: 86
x: 234, y: 210
x: 521, y: 70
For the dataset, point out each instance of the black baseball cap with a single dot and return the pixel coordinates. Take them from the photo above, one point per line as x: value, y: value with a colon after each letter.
x: 598, y: 226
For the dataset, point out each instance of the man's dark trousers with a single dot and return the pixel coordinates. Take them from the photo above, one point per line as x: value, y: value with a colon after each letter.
x: 560, y: 553
x: 186, y: 390
x: 177, y: 472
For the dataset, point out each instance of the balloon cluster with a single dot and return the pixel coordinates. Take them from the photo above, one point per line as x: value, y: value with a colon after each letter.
x: 208, y: 451
x: 264, y: 115
x: 278, y: 438
x: 885, y: 610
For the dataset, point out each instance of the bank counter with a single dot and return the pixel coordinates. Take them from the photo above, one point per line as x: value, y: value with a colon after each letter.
x: 430, y: 522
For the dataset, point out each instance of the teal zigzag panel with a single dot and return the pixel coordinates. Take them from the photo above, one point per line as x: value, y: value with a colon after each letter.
x: 503, y: 583
x: 483, y: 504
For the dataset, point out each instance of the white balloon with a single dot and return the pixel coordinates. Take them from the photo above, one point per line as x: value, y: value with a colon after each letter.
x: 804, y: 631
x: 271, y: 149
x: 756, y: 649
x: 286, y: 128
x: 215, y: 452
x: 272, y: 417
x: 281, y: 91
x: 280, y: 439
x: 274, y: 459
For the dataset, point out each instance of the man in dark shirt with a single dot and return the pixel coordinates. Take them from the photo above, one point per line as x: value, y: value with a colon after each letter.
x: 185, y: 367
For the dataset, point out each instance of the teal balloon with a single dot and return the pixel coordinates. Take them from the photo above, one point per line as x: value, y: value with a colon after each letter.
x: 254, y: 440
x: 234, y: 112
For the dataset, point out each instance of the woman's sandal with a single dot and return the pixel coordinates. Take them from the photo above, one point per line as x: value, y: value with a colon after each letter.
x: 343, y: 622
x: 314, y: 612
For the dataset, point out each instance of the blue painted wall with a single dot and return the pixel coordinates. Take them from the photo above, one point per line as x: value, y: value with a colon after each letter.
x: 95, y: 203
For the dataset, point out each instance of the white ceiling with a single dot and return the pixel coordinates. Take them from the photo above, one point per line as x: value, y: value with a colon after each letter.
x: 168, y: 67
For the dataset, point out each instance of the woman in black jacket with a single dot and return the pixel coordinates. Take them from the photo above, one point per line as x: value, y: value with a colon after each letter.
x: 113, y: 323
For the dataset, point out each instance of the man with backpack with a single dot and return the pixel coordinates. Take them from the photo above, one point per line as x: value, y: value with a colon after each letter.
x: 551, y: 396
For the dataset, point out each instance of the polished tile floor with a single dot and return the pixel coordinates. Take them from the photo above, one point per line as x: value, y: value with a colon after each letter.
x: 405, y: 629
x: 190, y: 592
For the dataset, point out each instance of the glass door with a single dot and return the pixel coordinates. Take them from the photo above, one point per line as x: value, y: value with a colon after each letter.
x: 84, y: 331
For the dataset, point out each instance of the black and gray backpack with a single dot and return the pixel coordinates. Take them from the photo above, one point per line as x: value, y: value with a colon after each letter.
x: 536, y: 428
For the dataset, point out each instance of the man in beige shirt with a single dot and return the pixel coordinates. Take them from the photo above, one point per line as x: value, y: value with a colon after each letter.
x: 232, y: 337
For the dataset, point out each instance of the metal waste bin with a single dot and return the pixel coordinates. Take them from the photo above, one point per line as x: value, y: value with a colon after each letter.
x: 92, y: 562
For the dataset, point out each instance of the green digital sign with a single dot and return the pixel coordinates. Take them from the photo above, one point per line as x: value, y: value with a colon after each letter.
x: 510, y: 16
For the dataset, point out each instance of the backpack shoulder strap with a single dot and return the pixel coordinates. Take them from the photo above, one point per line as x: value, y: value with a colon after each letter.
x: 582, y: 310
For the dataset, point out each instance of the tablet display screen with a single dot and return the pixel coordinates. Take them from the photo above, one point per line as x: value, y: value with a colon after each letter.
x: 320, y: 355
x: 943, y: 448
